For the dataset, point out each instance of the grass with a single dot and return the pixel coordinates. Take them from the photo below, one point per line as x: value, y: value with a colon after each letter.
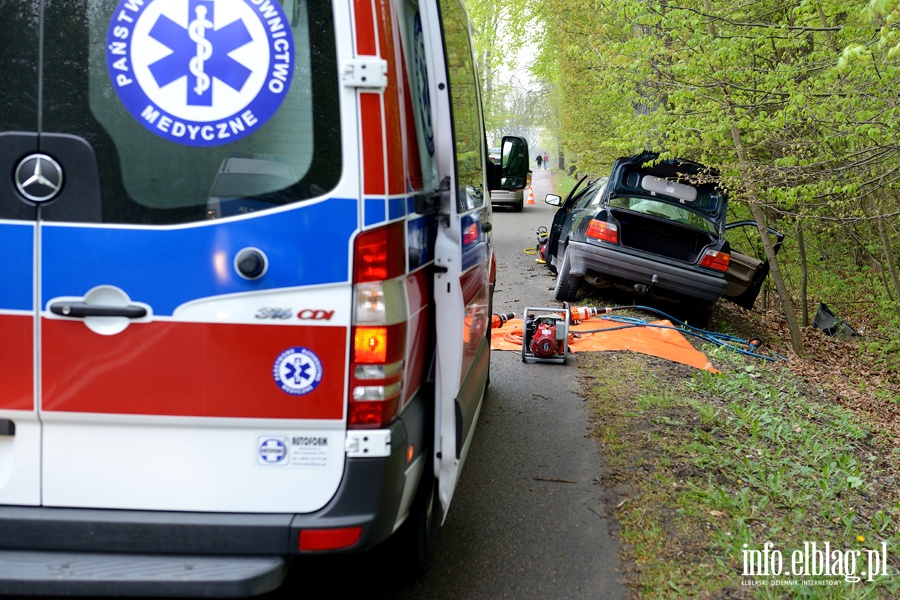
x: 562, y: 183
x: 716, y: 466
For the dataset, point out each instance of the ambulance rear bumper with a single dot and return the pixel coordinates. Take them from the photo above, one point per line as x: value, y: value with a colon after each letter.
x: 101, y: 552
x: 88, y: 574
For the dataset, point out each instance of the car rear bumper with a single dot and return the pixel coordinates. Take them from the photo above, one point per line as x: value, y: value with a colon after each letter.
x: 101, y: 552
x: 503, y: 198
x: 677, y: 282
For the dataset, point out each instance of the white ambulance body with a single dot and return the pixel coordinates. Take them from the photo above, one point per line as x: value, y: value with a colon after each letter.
x: 246, y: 287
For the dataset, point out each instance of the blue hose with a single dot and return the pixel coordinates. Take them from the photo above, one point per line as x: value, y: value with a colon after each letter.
x: 724, y: 340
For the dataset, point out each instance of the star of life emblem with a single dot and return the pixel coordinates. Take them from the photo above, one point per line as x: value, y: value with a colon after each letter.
x: 200, y: 72
x: 297, y: 371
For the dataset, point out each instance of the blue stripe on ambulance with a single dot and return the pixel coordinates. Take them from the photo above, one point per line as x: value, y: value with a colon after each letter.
x: 396, y: 208
x: 16, y: 275
x: 325, y: 228
x: 380, y: 210
x: 374, y: 211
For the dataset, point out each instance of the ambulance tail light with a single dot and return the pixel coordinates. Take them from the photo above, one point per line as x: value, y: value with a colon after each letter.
x: 380, y: 254
x: 379, y: 328
x: 376, y: 377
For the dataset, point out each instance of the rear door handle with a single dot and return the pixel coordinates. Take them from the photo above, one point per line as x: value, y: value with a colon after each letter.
x: 83, y: 309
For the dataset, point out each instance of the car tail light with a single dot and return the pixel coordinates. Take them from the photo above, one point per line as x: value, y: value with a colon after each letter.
x: 379, y: 327
x: 470, y: 234
x: 603, y: 231
x: 716, y: 260
x: 311, y: 540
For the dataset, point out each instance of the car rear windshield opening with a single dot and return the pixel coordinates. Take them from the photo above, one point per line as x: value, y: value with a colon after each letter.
x: 664, y: 210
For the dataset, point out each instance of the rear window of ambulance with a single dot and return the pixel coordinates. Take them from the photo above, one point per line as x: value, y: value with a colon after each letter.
x: 196, y: 109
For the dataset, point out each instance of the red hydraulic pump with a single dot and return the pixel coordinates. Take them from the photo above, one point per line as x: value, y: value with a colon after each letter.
x: 545, y: 337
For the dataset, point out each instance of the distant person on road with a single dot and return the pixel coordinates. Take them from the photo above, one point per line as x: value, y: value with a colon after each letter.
x: 546, y: 161
x: 539, y: 160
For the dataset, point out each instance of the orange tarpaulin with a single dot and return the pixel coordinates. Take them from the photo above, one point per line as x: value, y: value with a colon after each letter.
x: 664, y: 343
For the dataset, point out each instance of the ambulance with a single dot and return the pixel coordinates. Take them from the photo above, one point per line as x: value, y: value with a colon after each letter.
x: 246, y: 294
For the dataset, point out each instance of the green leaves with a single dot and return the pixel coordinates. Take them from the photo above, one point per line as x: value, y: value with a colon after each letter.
x: 674, y: 78
x: 807, y: 88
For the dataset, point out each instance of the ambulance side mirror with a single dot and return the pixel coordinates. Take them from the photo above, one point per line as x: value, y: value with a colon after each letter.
x: 512, y: 173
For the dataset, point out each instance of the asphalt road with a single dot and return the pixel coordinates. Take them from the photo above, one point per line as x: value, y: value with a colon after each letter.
x: 528, y: 519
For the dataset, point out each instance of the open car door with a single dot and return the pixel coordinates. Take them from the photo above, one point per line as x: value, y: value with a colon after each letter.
x: 463, y: 253
x: 746, y: 273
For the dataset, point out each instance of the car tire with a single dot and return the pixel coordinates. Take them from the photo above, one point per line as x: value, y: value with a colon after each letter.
x: 566, y: 284
x: 698, y: 316
x: 417, y: 537
x: 518, y: 206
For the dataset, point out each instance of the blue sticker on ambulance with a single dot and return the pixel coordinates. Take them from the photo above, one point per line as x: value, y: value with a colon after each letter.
x: 272, y: 451
x: 297, y: 371
x: 200, y: 72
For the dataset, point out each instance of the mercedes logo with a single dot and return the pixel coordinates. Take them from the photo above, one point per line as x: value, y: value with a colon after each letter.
x: 39, y: 178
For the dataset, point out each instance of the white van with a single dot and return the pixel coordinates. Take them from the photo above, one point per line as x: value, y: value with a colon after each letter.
x: 247, y: 289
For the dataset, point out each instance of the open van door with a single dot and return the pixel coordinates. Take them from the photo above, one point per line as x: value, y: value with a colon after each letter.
x: 463, y: 253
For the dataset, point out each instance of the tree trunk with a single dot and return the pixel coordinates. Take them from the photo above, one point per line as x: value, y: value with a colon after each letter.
x: 888, y: 254
x: 760, y: 218
x: 804, y: 276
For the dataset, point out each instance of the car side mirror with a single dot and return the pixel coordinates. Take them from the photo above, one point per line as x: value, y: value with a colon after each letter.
x: 553, y: 200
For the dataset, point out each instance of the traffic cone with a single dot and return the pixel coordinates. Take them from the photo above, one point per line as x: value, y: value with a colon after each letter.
x: 530, y: 195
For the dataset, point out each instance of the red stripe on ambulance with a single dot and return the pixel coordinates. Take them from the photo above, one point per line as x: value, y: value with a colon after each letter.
x: 17, y: 362
x: 389, y: 41
x: 189, y: 369
x: 370, y: 110
x: 364, y: 14
x: 372, y: 143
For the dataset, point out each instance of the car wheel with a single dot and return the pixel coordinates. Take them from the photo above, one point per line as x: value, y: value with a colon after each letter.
x: 566, y: 284
x: 518, y: 206
x: 418, y: 535
x: 698, y: 316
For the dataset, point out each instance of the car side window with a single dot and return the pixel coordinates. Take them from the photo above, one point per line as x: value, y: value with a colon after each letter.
x: 468, y: 138
x: 590, y: 198
x: 597, y: 200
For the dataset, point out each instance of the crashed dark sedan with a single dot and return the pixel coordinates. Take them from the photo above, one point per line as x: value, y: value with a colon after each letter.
x: 655, y: 228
